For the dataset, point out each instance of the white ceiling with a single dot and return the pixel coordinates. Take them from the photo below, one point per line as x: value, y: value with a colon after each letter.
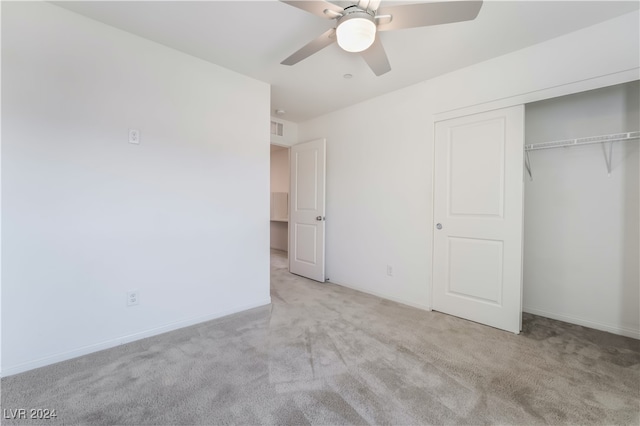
x: 253, y: 37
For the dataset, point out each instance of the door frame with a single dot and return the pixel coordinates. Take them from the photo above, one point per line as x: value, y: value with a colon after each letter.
x: 540, y: 95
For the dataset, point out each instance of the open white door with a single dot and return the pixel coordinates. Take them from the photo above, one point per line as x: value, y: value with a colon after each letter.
x: 478, y: 208
x: 306, y: 219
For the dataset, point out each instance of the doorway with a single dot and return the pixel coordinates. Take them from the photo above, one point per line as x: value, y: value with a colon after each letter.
x: 279, y: 188
x: 297, y: 222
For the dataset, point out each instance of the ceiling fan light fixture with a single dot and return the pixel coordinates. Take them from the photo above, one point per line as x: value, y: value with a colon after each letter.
x: 356, y: 32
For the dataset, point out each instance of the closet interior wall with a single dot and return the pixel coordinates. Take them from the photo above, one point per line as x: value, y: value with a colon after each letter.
x: 581, y: 226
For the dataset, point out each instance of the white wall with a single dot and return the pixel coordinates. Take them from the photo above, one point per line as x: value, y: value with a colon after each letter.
x: 280, y: 183
x: 379, y: 175
x: 581, y: 227
x: 0, y: 201
x: 182, y: 217
x: 280, y: 170
x: 289, y: 135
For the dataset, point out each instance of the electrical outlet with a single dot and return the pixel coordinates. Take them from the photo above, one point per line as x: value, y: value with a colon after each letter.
x: 134, y: 136
x: 390, y: 270
x: 133, y: 297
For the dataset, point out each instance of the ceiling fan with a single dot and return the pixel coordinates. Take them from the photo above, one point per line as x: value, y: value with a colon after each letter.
x: 358, y: 24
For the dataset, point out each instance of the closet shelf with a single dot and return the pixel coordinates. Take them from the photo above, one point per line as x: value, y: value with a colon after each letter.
x: 614, y: 137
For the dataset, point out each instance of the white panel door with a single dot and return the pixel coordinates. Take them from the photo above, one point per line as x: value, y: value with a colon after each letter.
x: 306, y: 219
x: 478, y: 222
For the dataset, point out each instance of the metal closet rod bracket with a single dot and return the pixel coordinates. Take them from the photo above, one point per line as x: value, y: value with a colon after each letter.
x: 611, y: 138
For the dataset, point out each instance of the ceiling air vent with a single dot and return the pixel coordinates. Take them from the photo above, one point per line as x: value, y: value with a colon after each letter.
x: 277, y: 128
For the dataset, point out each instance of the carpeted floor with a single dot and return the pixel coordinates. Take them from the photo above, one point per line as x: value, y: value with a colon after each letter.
x: 324, y: 354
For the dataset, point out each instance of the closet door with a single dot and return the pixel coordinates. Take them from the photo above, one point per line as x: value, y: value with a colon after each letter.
x: 478, y: 207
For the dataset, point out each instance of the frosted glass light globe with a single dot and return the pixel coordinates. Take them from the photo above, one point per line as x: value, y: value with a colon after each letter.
x: 356, y: 34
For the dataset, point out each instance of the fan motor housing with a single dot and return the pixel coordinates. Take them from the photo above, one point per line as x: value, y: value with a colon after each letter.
x: 352, y: 12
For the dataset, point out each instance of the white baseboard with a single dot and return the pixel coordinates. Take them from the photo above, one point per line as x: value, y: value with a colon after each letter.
x: 615, y: 329
x: 384, y: 296
x: 85, y: 350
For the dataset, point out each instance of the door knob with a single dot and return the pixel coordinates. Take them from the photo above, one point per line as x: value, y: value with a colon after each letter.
x: 439, y: 226
x: 319, y: 218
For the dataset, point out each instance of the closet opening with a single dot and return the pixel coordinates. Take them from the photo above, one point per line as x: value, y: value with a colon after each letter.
x: 557, y: 237
x: 581, y: 209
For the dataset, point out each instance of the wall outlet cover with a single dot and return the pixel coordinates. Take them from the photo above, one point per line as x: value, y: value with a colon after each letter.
x: 133, y: 297
x: 134, y: 136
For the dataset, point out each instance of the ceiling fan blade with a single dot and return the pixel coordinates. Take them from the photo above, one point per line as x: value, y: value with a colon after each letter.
x: 312, y: 47
x: 369, y: 4
x: 374, y: 4
x: 316, y: 7
x: 376, y: 58
x: 425, y: 14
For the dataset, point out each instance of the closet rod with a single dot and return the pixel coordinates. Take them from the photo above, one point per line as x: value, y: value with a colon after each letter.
x: 615, y: 137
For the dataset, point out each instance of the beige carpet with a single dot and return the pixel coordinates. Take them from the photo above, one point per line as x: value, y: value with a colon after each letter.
x: 324, y: 354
